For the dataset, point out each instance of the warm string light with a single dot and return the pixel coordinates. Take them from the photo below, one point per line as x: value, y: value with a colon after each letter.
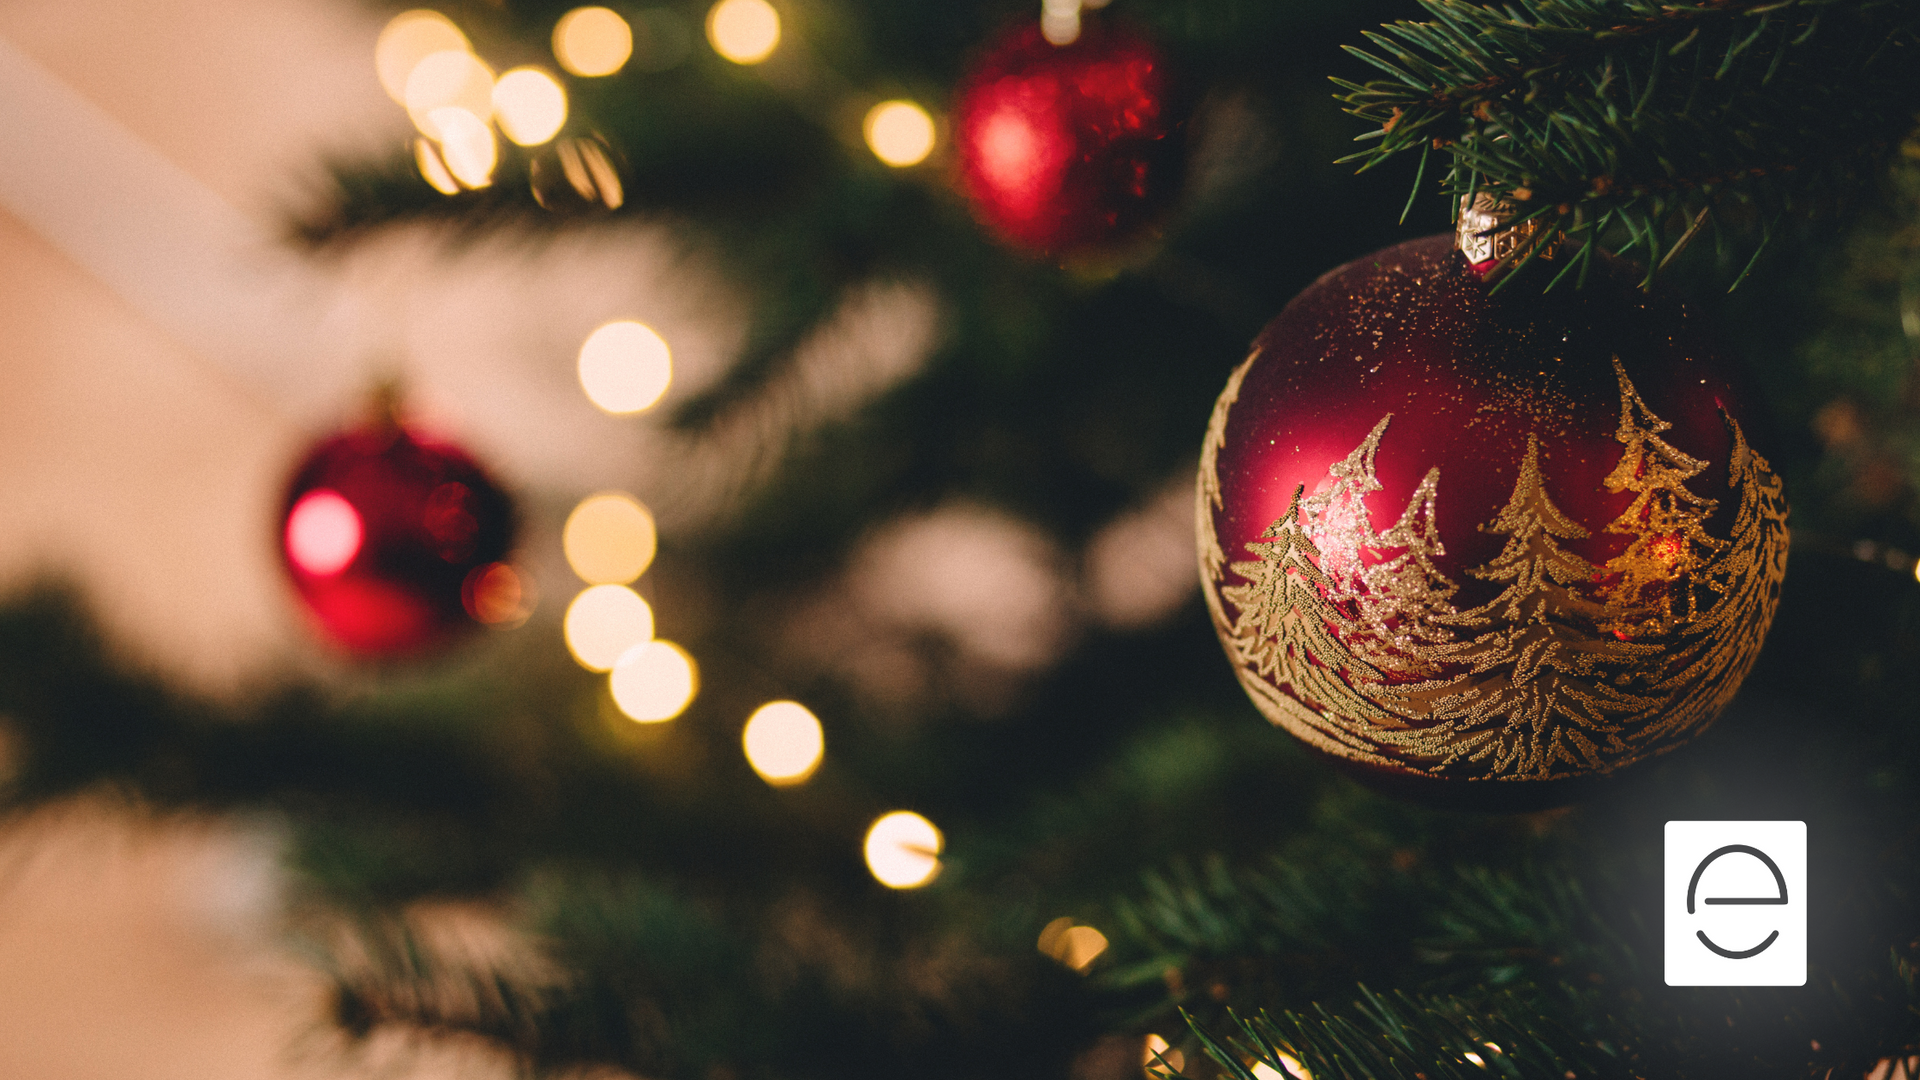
x: 609, y: 539
x: 1159, y: 1058
x: 1076, y: 947
x: 409, y: 38
x: 1060, y: 19
x: 903, y: 850
x: 783, y: 742
x: 743, y: 31
x: 592, y: 42
x: 530, y: 105
x: 654, y: 681
x: 603, y: 622
x: 625, y: 366
x: 899, y: 133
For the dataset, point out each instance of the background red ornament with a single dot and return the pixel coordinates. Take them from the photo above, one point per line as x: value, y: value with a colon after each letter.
x: 1067, y: 148
x: 1598, y: 548
x: 393, y: 539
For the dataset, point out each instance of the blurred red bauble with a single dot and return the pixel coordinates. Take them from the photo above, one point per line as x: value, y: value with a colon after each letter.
x: 1485, y: 549
x: 394, y: 540
x: 1064, y: 149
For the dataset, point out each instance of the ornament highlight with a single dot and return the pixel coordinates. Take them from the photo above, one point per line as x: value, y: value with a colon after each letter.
x: 1066, y: 149
x: 392, y: 538
x: 1447, y: 535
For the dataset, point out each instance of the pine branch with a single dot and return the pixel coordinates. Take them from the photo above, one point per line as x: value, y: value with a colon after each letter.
x: 1636, y: 123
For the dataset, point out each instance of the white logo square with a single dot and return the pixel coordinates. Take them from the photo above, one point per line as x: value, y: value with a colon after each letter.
x: 1735, y: 902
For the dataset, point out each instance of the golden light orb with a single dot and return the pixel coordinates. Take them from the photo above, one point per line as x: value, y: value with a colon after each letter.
x: 605, y: 621
x: 899, y: 133
x: 654, y: 682
x: 1159, y: 1058
x: 409, y: 38
x: 784, y: 742
x: 427, y: 155
x: 903, y: 850
x: 466, y: 145
x: 530, y: 105
x: 625, y: 366
x: 592, y: 41
x: 450, y: 78
x: 743, y: 31
x: 609, y: 539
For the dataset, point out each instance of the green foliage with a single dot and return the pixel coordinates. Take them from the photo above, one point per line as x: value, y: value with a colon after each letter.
x: 1638, y: 123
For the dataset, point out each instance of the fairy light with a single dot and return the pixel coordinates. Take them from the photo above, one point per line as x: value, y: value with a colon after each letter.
x: 409, y: 38
x: 433, y: 168
x: 609, y: 539
x: 451, y: 78
x: 654, y: 681
x: 625, y: 366
x: 1295, y: 1070
x: 530, y: 105
x: 783, y: 742
x: 466, y: 145
x: 1076, y: 947
x: 1060, y: 21
x: 605, y: 621
x: 743, y: 31
x: 592, y: 41
x: 1159, y: 1057
x: 899, y: 133
x: 903, y: 850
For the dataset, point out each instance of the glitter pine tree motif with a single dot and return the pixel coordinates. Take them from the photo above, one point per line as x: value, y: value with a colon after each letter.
x: 1547, y: 662
x: 1710, y: 658
x: 1670, y: 546
x: 1386, y: 584
x: 1287, y: 630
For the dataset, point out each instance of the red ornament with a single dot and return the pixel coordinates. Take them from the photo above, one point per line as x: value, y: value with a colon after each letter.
x: 1067, y: 148
x: 1484, y: 548
x: 394, y: 539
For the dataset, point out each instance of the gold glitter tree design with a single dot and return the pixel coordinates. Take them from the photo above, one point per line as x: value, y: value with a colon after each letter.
x: 1540, y: 690
x: 1670, y: 546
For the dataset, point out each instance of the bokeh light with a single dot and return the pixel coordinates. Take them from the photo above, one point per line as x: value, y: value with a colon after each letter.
x: 498, y: 595
x: 899, y: 133
x: 427, y: 155
x: 530, y: 105
x: 578, y: 172
x: 903, y: 850
x: 1159, y: 1057
x: 1076, y: 947
x: 409, y: 38
x: 323, y: 532
x: 450, y: 78
x: 625, y: 366
x: 592, y: 41
x: 466, y: 145
x: 1060, y: 21
x: 609, y: 539
x: 784, y: 742
x: 605, y: 621
x: 743, y: 31
x: 654, y: 682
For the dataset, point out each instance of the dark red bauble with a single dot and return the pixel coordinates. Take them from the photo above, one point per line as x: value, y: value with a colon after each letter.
x: 1485, y: 549
x: 1067, y: 149
x: 389, y: 537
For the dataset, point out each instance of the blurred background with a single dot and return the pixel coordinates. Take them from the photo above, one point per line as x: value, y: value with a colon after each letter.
x: 780, y: 417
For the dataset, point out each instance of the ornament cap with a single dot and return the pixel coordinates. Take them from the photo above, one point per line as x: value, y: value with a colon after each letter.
x: 1488, y: 235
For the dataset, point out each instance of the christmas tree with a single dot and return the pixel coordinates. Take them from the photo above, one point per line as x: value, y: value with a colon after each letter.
x: 903, y: 502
